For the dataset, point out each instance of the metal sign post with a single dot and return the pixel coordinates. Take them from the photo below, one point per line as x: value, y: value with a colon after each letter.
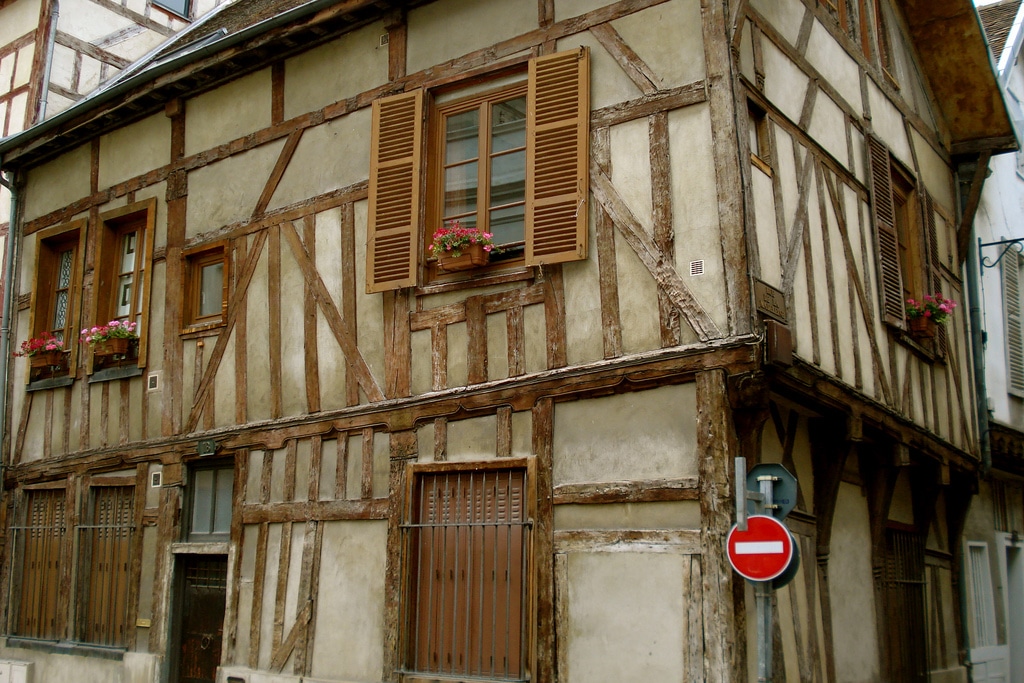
x: 763, y: 479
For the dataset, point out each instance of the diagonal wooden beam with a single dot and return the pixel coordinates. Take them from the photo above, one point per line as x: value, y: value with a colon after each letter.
x: 858, y: 283
x: 342, y: 334
x: 236, y: 302
x: 275, y: 176
x: 630, y: 61
x: 283, y: 652
x: 651, y: 256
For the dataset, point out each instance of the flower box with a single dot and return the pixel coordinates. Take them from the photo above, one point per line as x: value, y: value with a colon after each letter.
x: 472, y: 256
x: 115, y: 346
x: 46, y: 359
x: 922, y: 328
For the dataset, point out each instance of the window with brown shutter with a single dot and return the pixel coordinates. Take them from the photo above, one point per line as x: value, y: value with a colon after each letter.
x: 906, y: 239
x: 467, y: 544
x: 38, y: 542
x: 104, y: 558
x: 508, y: 156
x: 1014, y: 333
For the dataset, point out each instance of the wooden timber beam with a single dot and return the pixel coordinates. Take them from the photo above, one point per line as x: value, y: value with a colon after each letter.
x: 633, y: 373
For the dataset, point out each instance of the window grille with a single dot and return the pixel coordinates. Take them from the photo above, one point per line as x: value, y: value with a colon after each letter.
x: 38, y: 567
x: 904, y: 601
x: 467, y: 545
x: 105, y: 560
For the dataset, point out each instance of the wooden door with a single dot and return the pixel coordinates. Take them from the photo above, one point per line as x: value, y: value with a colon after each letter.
x: 201, y: 618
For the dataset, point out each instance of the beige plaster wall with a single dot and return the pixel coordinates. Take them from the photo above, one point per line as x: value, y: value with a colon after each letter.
x: 852, y: 590
x: 785, y: 15
x: 332, y: 72
x: 784, y: 83
x: 669, y: 39
x: 430, y: 28
x: 835, y: 64
x: 330, y: 156
x: 216, y: 117
x: 665, y: 515
x: 227, y: 191
x: 609, y: 84
x: 135, y: 149
x: 636, y: 436
x: 57, y: 183
x: 352, y: 583
x: 625, y: 615
x: 695, y: 211
x: 369, y: 307
x: 19, y: 17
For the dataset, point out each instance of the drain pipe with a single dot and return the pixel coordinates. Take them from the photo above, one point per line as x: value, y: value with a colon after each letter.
x: 8, y: 180
x: 978, y: 353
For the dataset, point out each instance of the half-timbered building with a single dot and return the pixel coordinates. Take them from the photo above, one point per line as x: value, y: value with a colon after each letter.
x: 332, y: 456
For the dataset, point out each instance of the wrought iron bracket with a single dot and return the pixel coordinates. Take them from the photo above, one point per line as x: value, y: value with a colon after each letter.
x: 1015, y: 244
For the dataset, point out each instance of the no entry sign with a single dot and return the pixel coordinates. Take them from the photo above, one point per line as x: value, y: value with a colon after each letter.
x: 763, y: 551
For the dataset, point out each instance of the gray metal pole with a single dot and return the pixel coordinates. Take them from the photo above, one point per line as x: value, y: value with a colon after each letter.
x: 763, y: 597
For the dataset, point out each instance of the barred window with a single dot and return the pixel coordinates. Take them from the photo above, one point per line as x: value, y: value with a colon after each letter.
x: 467, y: 542
x: 105, y: 560
x: 38, y: 565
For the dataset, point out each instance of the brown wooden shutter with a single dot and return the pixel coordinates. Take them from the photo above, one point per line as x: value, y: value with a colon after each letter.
x: 395, y: 167
x: 557, y: 153
x: 1012, y: 319
x: 890, y: 283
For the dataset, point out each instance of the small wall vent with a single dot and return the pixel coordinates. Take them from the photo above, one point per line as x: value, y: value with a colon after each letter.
x: 156, y: 479
x: 384, y: 39
x: 696, y: 268
x: 153, y: 381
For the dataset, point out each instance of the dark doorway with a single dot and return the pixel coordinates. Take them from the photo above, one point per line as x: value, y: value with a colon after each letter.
x: 199, y: 631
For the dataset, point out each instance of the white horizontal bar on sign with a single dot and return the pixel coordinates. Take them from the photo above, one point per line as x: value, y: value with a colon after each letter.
x: 759, y: 548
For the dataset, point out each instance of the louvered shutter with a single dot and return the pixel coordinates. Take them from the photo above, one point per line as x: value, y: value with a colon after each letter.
x: 890, y: 284
x: 394, y: 209
x: 1011, y: 315
x: 557, y: 152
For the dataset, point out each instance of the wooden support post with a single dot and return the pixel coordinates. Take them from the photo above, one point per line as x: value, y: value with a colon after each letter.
x: 724, y: 654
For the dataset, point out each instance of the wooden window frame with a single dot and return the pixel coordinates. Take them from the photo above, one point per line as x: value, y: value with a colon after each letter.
x: 528, y: 607
x: 114, y: 224
x: 196, y: 259
x: 883, y: 39
x: 437, y: 117
x: 557, y: 171
x: 49, y: 245
x: 105, y: 556
x: 37, y: 609
x: 758, y: 122
x: 165, y: 6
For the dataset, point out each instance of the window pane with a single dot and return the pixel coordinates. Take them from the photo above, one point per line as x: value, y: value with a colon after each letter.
x: 60, y: 313
x: 462, y: 136
x: 202, y: 502
x: 507, y: 224
x: 508, y: 178
x: 211, y: 289
x: 508, y: 122
x: 460, y: 187
x: 128, y: 252
x: 64, y: 270
x: 124, y: 296
x: 222, y: 507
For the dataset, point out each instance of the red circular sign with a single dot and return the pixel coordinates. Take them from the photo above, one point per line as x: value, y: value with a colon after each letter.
x: 763, y: 551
